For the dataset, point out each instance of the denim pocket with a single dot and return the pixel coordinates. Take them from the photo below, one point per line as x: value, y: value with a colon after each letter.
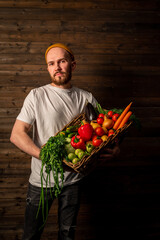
x: 33, y: 195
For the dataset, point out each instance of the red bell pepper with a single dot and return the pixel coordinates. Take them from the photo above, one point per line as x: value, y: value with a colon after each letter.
x: 85, y: 132
x: 78, y: 143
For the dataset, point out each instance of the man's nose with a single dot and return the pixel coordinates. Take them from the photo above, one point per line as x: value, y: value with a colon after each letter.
x: 57, y: 67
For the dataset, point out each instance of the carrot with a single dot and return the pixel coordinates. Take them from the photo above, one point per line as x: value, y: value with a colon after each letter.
x: 119, y: 120
x: 125, y: 119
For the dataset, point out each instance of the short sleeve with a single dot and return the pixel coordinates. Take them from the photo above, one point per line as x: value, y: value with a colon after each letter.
x: 27, y: 113
x: 94, y: 101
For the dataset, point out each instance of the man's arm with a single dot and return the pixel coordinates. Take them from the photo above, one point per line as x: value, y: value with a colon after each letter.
x: 22, y: 140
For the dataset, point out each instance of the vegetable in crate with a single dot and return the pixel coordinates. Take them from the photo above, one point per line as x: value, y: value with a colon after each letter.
x: 115, y: 116
x: 52, y: 155
x: 125, y: 119
x: 86, y: 131
x: 78, y: 142
x: 89, y: 146
x: 94, y: 124
x: 72, y: 129
x: 96, y: 141
x: 69, y: 148
x: 100, y: 120
x: 118, y: 122
x: 104, y: 138
x: 90, y: 112
x: 99, y: 131
x: 108, y: 123
x: 81, y: 154
x: 71, y: 156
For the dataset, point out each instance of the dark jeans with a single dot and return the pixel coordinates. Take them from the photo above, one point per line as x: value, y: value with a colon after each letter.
x: 68, y: 206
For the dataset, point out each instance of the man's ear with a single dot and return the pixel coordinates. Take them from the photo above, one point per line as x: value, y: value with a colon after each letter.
x: 73, y: 64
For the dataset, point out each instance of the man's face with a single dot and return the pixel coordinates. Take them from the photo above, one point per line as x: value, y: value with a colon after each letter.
x: 60, y: 66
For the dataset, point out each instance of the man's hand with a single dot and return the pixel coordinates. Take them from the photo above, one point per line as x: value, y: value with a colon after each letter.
x: 110, y: 153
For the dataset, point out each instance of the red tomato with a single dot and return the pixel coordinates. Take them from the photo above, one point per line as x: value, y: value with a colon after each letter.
x: 99, y: 131
x: 115, y: 117
x: 111, y: 132
x: 110, y: 114
x: 96, y: 141
x: 101, y: 115
x: 100, y: 120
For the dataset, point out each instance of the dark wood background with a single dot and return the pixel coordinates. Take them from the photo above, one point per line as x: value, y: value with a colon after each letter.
x: 117, y: 48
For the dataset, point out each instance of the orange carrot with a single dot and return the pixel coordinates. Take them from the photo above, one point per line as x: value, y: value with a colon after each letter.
x: 125, y: 119
x: 119, y: 120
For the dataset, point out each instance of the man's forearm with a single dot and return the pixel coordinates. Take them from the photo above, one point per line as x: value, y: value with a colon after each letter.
x: 25, y: 143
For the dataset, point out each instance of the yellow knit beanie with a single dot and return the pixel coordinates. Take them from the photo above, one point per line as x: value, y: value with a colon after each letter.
x: 60, y: 45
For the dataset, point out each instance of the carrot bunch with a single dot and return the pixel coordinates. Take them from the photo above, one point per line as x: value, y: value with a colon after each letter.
x: 123, y: 118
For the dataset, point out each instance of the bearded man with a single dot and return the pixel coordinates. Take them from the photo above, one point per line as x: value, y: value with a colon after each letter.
x: 47, y: 109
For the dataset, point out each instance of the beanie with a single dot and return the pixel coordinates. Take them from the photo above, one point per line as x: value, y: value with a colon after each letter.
x: 60, y: 45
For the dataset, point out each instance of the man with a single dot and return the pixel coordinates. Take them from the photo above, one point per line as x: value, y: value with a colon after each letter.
x: 48, y: 109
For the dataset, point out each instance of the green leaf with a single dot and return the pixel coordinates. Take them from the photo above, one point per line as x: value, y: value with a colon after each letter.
x: 52, y: 155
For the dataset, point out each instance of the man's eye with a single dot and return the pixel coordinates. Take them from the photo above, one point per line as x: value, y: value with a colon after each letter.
x: 63, y: 61
x: 50, y: 64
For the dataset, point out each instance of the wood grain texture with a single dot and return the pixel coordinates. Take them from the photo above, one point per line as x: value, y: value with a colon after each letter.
x: 116, y: 45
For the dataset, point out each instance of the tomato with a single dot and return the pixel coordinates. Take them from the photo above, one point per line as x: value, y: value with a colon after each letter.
x: 115, y: 117
x: 96, y: 141
x: 99, y: 131
x: 111, y: 132
x: 101, y: 115
x: 110, y: 114
x: 100, y: 120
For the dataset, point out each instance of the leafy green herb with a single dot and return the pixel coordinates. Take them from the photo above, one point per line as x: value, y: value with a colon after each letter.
x: 136, y: 122
x: 100, y: 109
x: 52, y: 155
x: 105, y: 111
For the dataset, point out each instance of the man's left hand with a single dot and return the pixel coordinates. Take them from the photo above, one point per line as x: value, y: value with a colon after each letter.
x: 111, y: 153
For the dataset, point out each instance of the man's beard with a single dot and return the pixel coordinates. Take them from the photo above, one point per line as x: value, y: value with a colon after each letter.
x: 61, y: 80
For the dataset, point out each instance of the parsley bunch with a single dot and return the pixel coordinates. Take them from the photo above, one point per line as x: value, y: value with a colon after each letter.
x: 52, y: 155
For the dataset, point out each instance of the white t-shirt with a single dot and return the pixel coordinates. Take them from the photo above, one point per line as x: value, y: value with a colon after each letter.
x: 49, y: 109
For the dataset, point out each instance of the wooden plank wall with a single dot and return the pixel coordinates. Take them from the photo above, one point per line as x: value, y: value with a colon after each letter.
x: 117, y: 47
